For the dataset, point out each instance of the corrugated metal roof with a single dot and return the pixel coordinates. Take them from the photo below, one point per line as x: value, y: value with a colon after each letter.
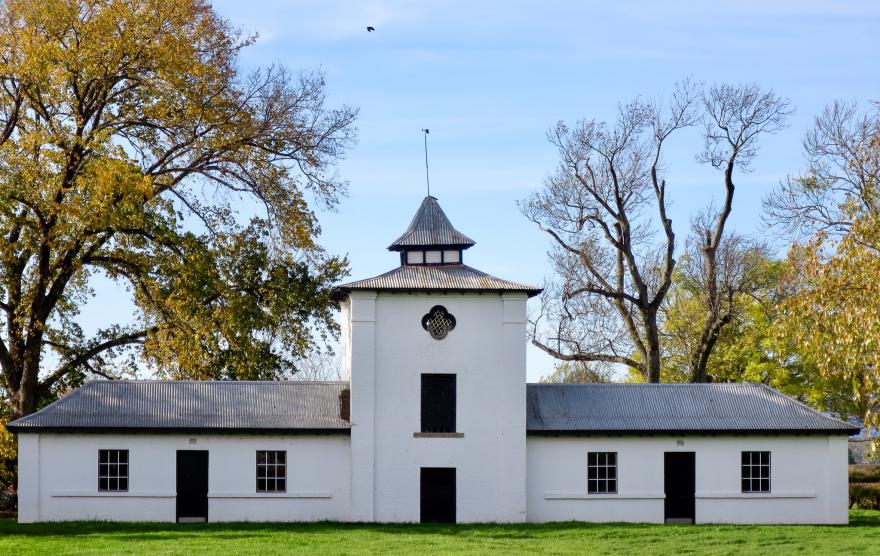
x: 219, y: 406
x: 455, y: 277
x: 605, y: 408
x: 193, y: 405
x: 431, y: 228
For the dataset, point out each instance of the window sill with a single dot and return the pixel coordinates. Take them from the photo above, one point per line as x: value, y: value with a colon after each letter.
x: 733, y: 495
x: 602, y: 496
x: 114, y: 494
x: 438, y: 435
x: 301, y: 495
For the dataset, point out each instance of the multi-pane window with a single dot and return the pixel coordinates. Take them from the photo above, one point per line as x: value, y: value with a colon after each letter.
x: 271, y: 471
x: 756, y: 471
x: 113, y: 470
x: 602, y: 472
x: 438, y: 403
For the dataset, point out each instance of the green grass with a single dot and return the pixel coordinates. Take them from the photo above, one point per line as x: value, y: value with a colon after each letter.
x: 861, y: 536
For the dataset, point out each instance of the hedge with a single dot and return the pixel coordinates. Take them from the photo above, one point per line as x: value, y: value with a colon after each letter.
x: 864, y: 487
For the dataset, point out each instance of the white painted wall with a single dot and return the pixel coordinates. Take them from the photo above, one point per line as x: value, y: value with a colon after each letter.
x: 360, y: 345
x: 808, y: 479
x: 59, y: 478
x: 390, y: 351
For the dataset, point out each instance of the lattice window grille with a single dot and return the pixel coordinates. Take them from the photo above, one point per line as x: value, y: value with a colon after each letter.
x: 438, y: 322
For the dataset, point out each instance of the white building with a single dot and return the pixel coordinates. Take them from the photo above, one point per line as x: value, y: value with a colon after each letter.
x: 433, y: 421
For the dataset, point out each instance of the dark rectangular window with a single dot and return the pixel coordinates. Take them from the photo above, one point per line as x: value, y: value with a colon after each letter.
x: 271, y: 471
x: 113, y: 470
x: 756, y: 471
x: 438, y: 403
x: 601, y: 472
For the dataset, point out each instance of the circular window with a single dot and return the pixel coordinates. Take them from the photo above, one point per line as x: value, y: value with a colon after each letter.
x: 438, y: 322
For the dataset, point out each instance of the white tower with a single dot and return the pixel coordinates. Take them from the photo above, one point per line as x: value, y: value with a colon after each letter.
x: 435, y: 352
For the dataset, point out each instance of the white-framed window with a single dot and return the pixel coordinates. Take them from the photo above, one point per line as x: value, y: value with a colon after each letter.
x: 433, y: 257
x: 756, y: 472
x: 447, y: 256
x: 113, y: 470
x: 271, y: 471
x: 601, y: 472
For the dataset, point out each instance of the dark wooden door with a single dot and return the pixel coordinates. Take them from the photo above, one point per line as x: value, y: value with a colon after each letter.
x: 192, y: 485
x: 438, y: 495
x: 679, y: 481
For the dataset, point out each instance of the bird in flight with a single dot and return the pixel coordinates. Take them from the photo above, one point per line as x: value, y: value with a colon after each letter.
x: 370, y: 29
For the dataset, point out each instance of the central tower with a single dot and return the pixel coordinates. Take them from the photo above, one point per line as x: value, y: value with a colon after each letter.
x: 435, y: 354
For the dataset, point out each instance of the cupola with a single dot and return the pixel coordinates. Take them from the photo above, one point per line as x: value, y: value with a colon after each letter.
x: 430, y: 238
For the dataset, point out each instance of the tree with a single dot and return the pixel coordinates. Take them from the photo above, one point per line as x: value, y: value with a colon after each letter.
x: 750, y: 282
x: 834, y: 315
x: 724, y: 265
x: 577, y: 372
x: 318, y: 366
x: 606, y: 206
x: 841, y: 179
x: 749, y: 348
x: 611, y: 278
x: 128, y: 136
x: 8, y: 454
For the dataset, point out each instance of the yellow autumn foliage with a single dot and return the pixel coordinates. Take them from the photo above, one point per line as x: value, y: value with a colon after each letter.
x: 834, y: 318
x: 8, y: 455
x: 129, y: 139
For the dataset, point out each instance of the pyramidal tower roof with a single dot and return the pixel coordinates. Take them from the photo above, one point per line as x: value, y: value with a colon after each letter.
x: 431, y: 228
x: 431, y: 260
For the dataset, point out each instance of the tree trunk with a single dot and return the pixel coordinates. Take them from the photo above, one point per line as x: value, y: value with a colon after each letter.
x: 27, y: 389
x: 652, y: 347
x: 700, y: 358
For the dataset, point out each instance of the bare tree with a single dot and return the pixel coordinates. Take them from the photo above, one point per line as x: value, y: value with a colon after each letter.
x: 317, y: 365
x: 735, y: 117
x: 841, y: 174
x: 612, y: 276
x: 606, y: 207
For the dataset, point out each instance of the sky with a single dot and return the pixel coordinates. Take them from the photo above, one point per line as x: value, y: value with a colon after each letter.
x: 490, y: 78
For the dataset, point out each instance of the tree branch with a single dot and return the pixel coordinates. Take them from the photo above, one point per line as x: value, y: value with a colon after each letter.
x: 84, y: 357
x: 599, y: 357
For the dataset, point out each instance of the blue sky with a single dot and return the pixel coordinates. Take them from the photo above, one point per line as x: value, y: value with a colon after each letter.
x: 489, y: 79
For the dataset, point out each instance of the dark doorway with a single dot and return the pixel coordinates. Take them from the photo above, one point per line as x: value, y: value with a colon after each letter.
x: 438, y: 495
x: 679, y: 482
x: 192, y: 485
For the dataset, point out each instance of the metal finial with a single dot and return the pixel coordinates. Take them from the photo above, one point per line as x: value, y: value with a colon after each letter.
x: 426, y: 131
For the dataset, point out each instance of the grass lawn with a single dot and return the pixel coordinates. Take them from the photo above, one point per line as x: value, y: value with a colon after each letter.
x: 862, y: 536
